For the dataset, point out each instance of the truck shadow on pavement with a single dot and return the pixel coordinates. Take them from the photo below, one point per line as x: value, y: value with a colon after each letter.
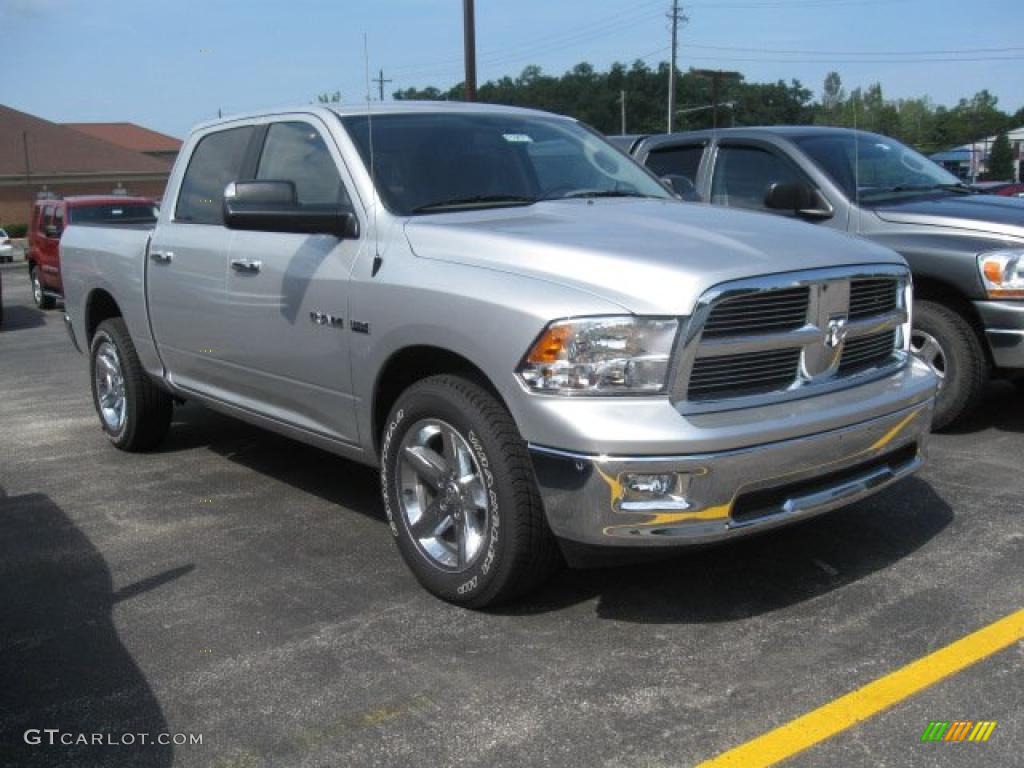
x: 325, y: 475
x: 18, y: 317
x: 1002, y: 409
x: 62, y: 663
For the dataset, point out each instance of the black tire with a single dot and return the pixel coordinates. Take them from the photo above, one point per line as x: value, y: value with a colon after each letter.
x: 147, y: 410
x: 963, y: 363
x: 519, y: 551
x: 38, y: 295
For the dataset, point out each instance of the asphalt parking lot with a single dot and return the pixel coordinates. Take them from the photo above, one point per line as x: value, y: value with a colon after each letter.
x: 244, y: 587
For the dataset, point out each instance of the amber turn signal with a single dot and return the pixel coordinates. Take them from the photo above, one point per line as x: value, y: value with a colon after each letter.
x: 550, y: 345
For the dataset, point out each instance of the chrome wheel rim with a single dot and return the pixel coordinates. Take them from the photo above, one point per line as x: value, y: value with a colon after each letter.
x: 110, y: 395
x: 442, y: 495
x: 926, y: 348
x: 37, y: 289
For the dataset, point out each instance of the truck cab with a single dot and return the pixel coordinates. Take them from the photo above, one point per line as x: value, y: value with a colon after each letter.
x: 47, y: 224
x: 965, y: 249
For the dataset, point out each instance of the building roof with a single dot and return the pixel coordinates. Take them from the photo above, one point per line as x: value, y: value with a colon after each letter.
x: 129, y: 136
x: 55, y: 150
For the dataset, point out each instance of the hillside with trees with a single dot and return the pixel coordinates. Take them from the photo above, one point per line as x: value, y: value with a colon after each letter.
x: 593, y: 97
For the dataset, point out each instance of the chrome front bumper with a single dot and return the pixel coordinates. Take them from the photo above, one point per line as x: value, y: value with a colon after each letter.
x: 734, y: 492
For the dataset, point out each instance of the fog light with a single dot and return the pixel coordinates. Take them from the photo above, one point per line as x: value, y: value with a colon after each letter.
x: 647, y: 491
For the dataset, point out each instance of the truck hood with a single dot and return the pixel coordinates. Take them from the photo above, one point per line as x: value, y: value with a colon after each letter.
x: 990, y: 214
x: 647, y: 256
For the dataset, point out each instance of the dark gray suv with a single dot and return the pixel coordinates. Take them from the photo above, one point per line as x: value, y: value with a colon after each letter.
x: 966, y: 249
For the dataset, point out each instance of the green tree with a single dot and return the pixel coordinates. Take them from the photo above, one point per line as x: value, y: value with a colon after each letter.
x: 1000, y: 159
x: 329, y: 98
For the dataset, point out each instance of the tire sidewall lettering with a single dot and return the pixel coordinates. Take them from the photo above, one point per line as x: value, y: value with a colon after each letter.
x: 385, y: 453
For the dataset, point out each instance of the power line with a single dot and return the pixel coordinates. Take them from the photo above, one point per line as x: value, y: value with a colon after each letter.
x: 552, y: 41
x: 857, y: 53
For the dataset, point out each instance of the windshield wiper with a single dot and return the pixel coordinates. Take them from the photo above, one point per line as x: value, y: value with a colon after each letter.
x: 475, y: 201
x: 597, y: 193
x: 928, y: 188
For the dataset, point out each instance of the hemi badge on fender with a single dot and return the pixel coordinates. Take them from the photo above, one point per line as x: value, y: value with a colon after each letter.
x: 322, y: 318
x: 358, y: 326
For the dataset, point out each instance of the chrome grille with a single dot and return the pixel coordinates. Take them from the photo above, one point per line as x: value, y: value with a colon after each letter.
x: 873, y: 296
x: 866, y: 352
x: 735, y: 375
x: 781, y: 310
x: 780, y: 337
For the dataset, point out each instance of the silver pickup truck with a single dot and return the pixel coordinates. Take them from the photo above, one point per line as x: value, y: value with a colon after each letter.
x: 543, y: 350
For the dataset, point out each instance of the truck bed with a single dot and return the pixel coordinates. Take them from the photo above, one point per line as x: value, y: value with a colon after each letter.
x: 111, y: 259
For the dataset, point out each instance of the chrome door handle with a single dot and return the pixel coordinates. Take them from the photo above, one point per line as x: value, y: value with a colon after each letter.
x: 164, y: 257
x: 246, y: 265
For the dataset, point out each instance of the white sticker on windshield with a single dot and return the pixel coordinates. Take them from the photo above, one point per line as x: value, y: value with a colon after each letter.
x: 517, y: 138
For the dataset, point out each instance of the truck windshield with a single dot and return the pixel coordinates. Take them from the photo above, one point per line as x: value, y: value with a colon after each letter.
x: 428, y: 163
x: 879, y: 168
x: 112, y: 213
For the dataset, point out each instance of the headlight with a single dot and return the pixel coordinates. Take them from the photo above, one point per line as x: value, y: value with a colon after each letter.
x: 1002, y: 273
x: 601, y: 356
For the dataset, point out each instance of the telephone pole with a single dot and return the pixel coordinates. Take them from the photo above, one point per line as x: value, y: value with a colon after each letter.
x: 379, y: 80
x: 716, y: 76
x: 622, y: 105
x: 469, y: 47
x: 675, y: 16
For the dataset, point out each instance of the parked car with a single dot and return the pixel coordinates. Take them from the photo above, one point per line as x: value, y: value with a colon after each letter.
x: 1002, y: 188
x: 534, y: 341
x: 50, y: 217
x: 6, y: 247
x: 966, y: 250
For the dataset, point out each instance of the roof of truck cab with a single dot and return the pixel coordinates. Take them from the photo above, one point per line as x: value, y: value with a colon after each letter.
x: 787, y: 131
x: 386, y: 108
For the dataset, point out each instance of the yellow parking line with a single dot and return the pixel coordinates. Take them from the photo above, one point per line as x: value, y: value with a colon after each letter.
x: 848, y: 710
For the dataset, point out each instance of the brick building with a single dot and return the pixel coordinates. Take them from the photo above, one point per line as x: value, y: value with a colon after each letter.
x: 40, y: 158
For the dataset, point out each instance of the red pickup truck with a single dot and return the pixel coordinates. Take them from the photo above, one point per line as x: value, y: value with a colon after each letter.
x: 49, y: 217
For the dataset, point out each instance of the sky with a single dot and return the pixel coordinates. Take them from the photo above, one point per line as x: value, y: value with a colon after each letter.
x: 169, y: 65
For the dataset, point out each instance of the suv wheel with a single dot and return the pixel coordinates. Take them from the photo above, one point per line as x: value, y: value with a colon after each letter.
x: 460, y: 495
x: 134, y: 413
x: 947, y: 343
x: 38, y: 294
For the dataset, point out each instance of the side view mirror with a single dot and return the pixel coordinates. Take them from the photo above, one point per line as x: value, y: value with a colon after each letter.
x: 799, y: 198
x: 272, y: 206
x: 51, y: 230
x: 681, y: 186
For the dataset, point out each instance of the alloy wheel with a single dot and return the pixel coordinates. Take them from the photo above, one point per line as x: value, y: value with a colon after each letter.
x: 442, y: 495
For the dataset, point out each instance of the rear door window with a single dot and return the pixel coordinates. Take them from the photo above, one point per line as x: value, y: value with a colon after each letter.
x: 677, y: 161
x: 216, y: 161
x: 743, y: 174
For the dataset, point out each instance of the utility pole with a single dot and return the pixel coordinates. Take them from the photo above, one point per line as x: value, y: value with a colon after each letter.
x: 469, y: 47
x: 716, y: 76
x: 379, y: 80
x: 28, y: 168
x: 622, y: 104
x: 675, y: 16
